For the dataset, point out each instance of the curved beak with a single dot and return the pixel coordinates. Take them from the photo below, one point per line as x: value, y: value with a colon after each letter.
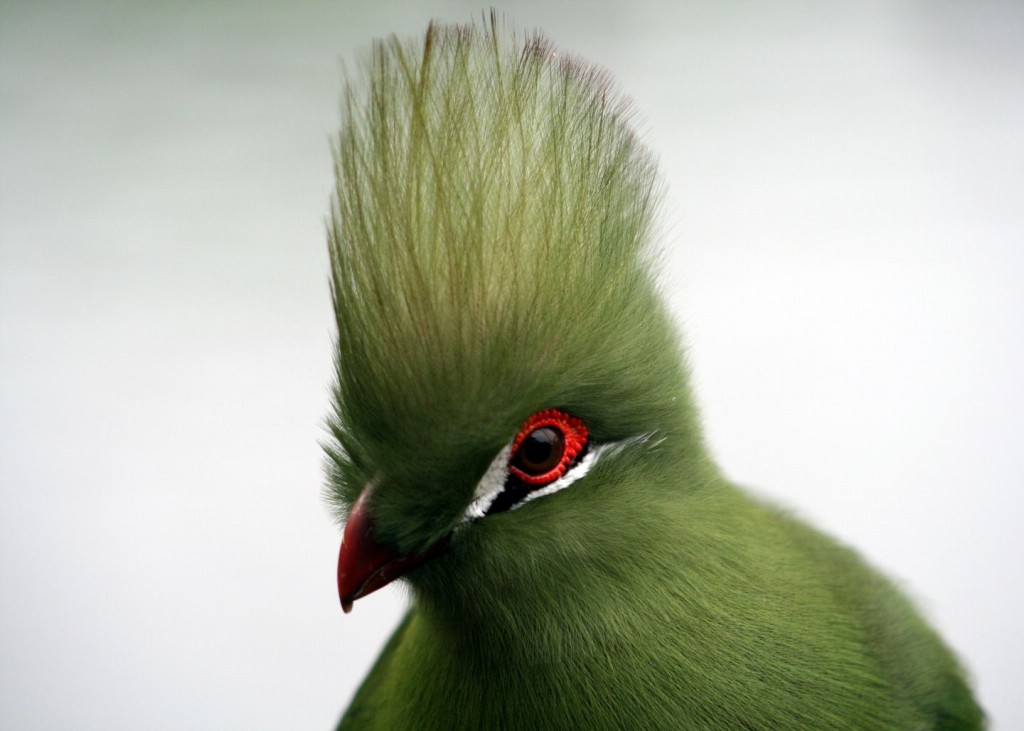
x: 364, y: 565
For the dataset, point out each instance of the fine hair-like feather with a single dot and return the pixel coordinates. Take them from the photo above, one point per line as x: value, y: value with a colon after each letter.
x: 489, y: 255
x: 489, y: 243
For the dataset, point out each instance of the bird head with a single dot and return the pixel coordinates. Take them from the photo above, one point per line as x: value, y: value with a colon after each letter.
x: 508, y: 383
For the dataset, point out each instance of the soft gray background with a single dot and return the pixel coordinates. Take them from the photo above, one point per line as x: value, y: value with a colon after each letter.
x: 845, y: 186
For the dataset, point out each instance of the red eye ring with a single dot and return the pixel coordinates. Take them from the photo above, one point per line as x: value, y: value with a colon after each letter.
x: 574, y: 440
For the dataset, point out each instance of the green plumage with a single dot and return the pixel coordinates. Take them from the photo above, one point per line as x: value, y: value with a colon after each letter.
x: 489, y: 260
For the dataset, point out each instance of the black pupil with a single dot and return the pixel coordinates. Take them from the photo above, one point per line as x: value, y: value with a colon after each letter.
x: 541, y: 450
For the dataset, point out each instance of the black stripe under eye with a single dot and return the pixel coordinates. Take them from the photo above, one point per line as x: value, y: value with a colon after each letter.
x: 515, y: 490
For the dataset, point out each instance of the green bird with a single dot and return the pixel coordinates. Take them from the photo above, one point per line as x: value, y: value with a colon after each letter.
x: 513, y: 433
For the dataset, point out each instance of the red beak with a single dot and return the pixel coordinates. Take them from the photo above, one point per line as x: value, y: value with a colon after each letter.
x: 364, y: 565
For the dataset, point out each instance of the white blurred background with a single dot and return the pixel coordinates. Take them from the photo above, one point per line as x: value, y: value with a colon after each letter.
x: 846, y: 224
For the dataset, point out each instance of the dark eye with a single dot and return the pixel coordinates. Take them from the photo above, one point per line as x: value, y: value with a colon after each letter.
x: 548, y: 444
x: 540, y: 451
